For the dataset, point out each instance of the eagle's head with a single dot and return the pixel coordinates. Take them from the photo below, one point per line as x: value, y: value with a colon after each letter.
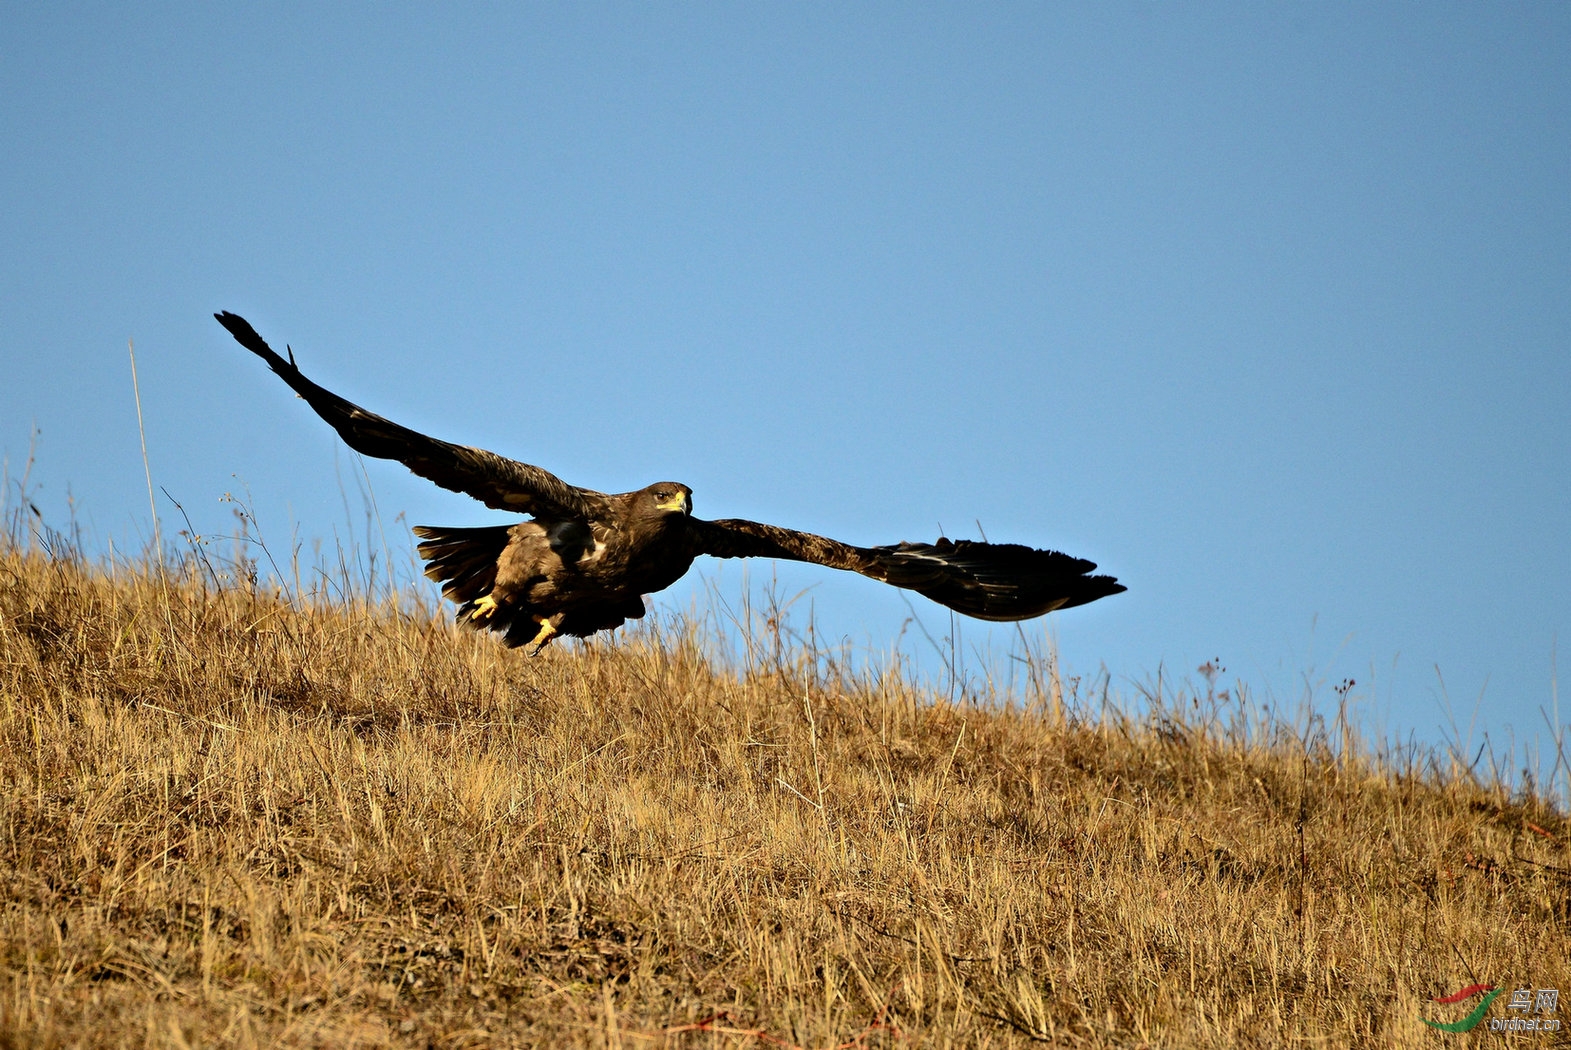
x: 665, y: 497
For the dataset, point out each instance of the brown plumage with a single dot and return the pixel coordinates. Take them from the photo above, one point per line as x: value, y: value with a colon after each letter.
x: 584, y: 560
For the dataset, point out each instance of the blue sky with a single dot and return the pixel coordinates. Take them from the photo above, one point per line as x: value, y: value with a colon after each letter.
x: 1264, y: 308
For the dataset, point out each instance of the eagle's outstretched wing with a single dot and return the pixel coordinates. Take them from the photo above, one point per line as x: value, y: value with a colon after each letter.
x: 498, y: 482
x: 991, y: 581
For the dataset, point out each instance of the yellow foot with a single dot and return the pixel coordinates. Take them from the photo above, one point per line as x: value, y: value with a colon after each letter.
x: 541, y: 640
x: 484, y: 609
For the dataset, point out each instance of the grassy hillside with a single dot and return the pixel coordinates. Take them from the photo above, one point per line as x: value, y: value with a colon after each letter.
x: 230, y: 819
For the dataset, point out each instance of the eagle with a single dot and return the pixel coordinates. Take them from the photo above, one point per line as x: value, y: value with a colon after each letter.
x: 583, y: 560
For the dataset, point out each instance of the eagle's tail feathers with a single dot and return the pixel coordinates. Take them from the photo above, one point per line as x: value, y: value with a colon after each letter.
x: 463, y: 560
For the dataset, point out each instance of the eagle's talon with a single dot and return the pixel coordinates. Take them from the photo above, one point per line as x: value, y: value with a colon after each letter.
x: 542, y: 639
x: 484, y: 609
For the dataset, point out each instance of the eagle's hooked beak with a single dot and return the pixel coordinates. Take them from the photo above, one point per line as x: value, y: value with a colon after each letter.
x: 681, y: 501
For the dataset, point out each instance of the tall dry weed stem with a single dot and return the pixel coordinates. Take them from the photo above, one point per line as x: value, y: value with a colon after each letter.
x: 231, y: 818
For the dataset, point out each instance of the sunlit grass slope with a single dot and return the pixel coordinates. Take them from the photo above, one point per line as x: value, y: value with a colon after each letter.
x: 230, y: 819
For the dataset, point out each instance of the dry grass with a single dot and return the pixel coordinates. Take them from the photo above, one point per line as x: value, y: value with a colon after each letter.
x: 230, y: 819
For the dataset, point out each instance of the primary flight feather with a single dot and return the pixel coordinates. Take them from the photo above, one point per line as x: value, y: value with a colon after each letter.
x: 583, y: 560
